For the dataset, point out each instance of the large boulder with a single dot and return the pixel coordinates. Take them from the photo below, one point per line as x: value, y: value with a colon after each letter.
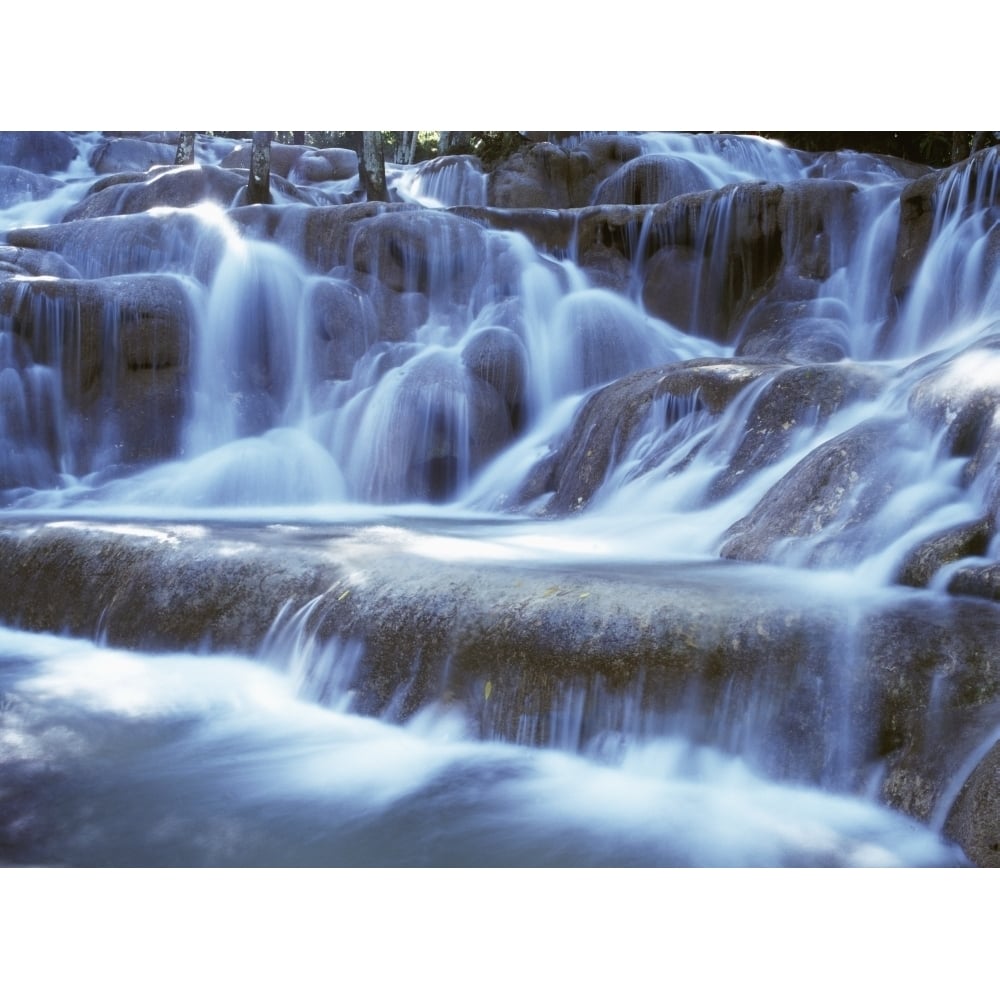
x: 838, y: 484
x: 17, y: 185
x: 119, y: 347
x: 651, y: 179
x: 800, y: 398
x: 175, y: 187
x: 575, y: 468
x: 122, y: 155
x: 180, y: 242
x: 39, y: 152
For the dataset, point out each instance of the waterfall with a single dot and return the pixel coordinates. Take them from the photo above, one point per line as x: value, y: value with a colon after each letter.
x: 760, y: 382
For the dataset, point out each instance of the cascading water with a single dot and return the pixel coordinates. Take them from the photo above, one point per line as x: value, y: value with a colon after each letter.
x: 718, y: 347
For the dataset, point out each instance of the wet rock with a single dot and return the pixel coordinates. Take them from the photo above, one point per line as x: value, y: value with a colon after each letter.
x: 738, y: 640
x: 961, y: 396
x: 421, y: 251
x: 174, y: 187
x: 17, y: 185
x: 974, y: 820
x: 542, y: 176
x: 976, y: 581
x: 650, y: 180
x: 300, y: 162
x: 799, y: 399
x: 607, y: 421
x: 18, y: 260
x: 792, y: 330
x: 948, y: 546
x: 452, y: 180
x: 128, y: 244
x: 316, y: 166
x: 497, y: 356
x: 925, y: 203
x: 120, y: 347
x: 39, y: 152
x: 345, y: 326
x: 116, y: 156
x: 425, y: 429
x: 842, y: 481
x: 671, y: 288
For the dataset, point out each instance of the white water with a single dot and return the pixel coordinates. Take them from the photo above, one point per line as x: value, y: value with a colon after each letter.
x: 280, y: 428
x: 115, y: 758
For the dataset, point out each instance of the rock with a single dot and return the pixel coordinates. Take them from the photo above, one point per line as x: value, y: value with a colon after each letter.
x: 17, y: 185
x: 943, y: 192
x: 127, y: 244
x: 976, y: 581
x: 116, y: 156
x: 38, y: 152
x: 974, y: 820
x: 541, y: 176
x: 425, y: 429
x: 607, y: 421
x: 18, y: 260
x: 497, y: 356
x: 793, y: 400
x: 316, y: 166
x: 774, y: 657
x: 961, y: 395
x: 650, y: 180
x: 791, y: 330
x: 174, y: 187
x: 843, y: 481
x: 421, y: 251
x: 948, y: 546
x: 120, y: 349
x: 346, y: 326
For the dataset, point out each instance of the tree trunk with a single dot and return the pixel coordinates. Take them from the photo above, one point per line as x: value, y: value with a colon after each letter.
x: 978, y: 141
x: 371, y: 166
x: 449, y: 142
x: 298, y: 138
x: 185, y: 149
x: 259, y: 188
x: 959, y: 146
x: 406, y: 150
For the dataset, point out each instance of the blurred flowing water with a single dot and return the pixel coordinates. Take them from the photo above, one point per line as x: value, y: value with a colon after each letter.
x: 125, y: 758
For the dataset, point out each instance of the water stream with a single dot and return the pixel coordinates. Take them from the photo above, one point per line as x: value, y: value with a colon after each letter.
x: 422, y: 374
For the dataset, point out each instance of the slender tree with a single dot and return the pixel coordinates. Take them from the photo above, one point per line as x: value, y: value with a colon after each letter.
x: 371, y: 166
x: 185, y: 149
x: 259, y: 187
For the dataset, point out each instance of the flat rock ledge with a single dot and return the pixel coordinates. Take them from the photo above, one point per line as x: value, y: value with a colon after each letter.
x: 914, y: 677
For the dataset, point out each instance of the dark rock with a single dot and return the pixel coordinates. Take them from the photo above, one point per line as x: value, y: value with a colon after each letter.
x: 926, y: 202
x: 976, y: 581
x: 788, y: 330
x: 605, y: 424
x: 650, y: 180
x: 792, y: 400
x: 120, y: 349
x: 974, y: 820
x: 421, y: 251
x: 948, y: 546
x: 498, y: 357
x: 843, y: 480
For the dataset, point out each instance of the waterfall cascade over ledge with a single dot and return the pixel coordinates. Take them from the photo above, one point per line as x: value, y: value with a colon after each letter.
x: 655, y: 475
